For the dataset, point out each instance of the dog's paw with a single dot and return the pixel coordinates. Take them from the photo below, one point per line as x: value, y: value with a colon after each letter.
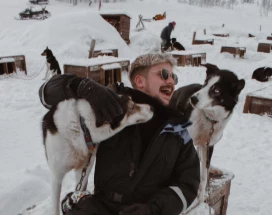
x: 214, y: 171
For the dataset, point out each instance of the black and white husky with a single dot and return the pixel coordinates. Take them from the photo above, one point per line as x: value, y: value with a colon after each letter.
x: 51, y: 63
x: 208, y: 106
x: 65, y: 144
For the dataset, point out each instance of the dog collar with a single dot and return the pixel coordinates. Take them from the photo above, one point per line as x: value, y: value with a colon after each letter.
x: 209, y: 119
x: 87, y: 136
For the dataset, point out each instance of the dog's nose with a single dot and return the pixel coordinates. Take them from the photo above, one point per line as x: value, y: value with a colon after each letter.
x: 194, y: 100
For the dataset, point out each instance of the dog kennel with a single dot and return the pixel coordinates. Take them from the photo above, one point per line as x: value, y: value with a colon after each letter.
x: 235, y: 50
x: 218, y: 195
x: 10, y: 64
x: 189, y: 58
x: 121, y: 22
x: 104, y: 70
x: 105, y: 51
x: 259, y: 102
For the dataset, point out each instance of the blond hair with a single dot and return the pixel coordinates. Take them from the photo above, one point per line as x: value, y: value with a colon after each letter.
x: 142, y: 64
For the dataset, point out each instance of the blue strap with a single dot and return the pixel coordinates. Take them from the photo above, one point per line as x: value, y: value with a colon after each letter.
x: 180, y: 129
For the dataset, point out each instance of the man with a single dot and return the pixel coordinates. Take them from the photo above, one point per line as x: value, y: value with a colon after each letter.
x: 146, y: 169
x: 166, y: 35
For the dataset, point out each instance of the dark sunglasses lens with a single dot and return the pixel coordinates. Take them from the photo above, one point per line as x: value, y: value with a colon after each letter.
x: 164, y: 74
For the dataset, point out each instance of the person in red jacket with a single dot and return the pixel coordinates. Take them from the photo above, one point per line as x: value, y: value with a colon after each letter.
x: 146, y: 169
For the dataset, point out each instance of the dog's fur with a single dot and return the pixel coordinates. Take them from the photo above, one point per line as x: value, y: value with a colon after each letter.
x: 51, y: 63
x: 176, y: 45
x: 64, y: 141
x: 205, y: 104
x: 262, y: 74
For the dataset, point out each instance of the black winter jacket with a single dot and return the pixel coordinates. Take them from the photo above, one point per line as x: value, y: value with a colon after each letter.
x: 154, y: 163
x: 166, y: 32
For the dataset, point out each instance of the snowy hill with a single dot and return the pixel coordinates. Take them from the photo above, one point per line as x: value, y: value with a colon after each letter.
x: 245, y: 147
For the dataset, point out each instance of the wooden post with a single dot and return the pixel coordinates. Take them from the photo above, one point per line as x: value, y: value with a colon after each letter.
x: 92, y: 48
x: 260, y: 27
x: 194, y: 35
x: 204, y: 31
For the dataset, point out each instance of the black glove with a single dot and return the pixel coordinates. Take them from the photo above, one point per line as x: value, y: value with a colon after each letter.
x: 105, y: 103
x: 136, y: 209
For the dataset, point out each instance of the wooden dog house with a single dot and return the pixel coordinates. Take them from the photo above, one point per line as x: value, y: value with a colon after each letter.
x: 121, y: 22
x: 219, y: 192
x: 104, y: 70
x: 105, y: 51
x: 265, y: 46
x: 10, y: 64
x: 259, y: 102
x: 201, y: 41
x: 235, y: 50
x: 189, y: 58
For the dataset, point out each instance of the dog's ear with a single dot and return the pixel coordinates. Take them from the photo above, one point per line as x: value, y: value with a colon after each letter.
x: 268, y: 72
x: 239, y: 85
x: 211, y: 68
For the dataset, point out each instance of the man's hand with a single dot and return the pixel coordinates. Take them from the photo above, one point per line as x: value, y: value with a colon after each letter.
x: 105, y: 103
x: 136, y: 209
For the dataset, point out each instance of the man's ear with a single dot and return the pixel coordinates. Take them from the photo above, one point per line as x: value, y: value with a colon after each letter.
x: 139, y: 81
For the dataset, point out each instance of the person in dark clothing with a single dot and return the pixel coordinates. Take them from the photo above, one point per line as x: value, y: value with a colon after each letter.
x: 166, y: 35
x: 146, y: 169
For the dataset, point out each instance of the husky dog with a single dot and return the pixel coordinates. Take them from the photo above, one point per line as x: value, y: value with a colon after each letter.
x: 208, y: 106
x: 51, y: 63
x: 176, y: 45
x: 262, y: 74
x: 64, y: 131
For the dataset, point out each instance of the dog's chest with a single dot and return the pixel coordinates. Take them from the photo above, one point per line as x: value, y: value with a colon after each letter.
x: 201, y: 128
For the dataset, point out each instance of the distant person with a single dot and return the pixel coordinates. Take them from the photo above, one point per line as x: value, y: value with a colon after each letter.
x: 166, y: 35
x: 90, y: 3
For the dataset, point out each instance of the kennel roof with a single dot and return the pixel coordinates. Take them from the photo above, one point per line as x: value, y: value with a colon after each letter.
x: 115, y: 12
x: 95, y: 61
x: 189, y: 52
x: 265, y: 92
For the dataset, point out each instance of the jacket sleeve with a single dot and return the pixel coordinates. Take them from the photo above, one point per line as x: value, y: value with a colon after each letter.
x: 59, y: 88
x: 168, y: 33
x: 183, y: 186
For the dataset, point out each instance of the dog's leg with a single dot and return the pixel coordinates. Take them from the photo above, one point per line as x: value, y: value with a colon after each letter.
x: 47, y: 72
x: 202, y: 153
x: 57, y: 177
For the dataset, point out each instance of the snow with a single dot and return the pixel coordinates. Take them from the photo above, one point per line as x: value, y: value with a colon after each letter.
x: 94, y: 61
x: 265, y: 92
x: 6, y: 60
x: 111, y: 66
x: 245, y: 148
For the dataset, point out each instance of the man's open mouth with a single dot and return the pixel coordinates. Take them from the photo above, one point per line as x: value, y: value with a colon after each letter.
x: 166, y: 90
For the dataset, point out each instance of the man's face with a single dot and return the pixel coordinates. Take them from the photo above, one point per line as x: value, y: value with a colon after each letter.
x: 154, y: 85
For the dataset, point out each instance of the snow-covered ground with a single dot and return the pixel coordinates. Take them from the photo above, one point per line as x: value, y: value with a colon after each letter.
x: 244, y: 149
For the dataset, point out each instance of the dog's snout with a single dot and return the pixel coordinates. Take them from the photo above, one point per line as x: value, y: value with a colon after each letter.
x: 194, y: 100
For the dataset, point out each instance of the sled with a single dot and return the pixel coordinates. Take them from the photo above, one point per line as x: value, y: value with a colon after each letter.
x: 32, y: 13
x: 39, y: 2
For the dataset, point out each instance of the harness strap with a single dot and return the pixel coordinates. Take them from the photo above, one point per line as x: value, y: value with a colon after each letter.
x: 87, y: 135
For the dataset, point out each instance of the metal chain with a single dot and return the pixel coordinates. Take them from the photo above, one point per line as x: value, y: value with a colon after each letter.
x: 29, y: 78
x: 208, y: 165
x: 83, y: 174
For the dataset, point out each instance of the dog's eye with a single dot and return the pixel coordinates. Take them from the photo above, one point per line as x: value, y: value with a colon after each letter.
x: 216, y: 90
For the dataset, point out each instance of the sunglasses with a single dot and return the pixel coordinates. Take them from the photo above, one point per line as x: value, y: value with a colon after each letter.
x: 165, y: 75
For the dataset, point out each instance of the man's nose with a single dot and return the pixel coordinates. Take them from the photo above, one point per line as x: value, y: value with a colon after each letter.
x: 170, y: 80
